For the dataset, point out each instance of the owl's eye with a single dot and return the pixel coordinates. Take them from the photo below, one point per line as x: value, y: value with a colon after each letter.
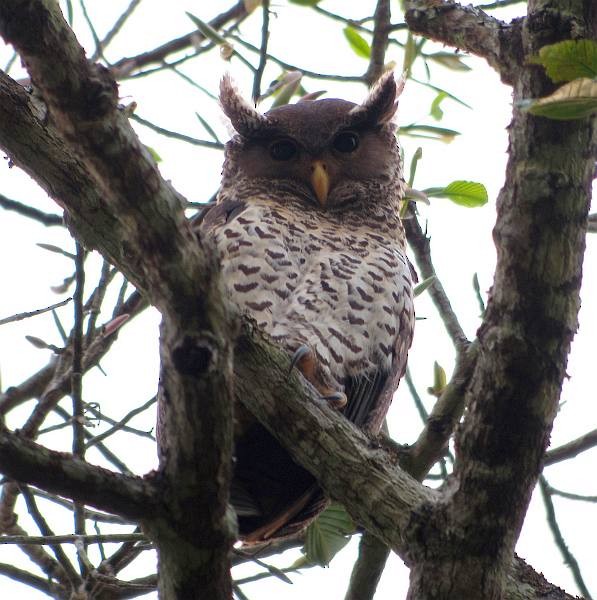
x: 283, y: 150
x: 346, y: 141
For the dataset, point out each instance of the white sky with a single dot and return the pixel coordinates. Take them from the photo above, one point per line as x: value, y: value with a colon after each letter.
x: 461, y: 245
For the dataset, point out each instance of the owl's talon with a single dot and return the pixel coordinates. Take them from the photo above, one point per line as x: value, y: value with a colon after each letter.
x: 336, y: 400
x: 302, y: 359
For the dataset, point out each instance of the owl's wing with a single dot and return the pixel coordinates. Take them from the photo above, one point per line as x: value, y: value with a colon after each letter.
x: 214, y: 215
x: 369, y: 396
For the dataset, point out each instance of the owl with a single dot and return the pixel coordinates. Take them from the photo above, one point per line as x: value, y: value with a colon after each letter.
x: 308, y: 234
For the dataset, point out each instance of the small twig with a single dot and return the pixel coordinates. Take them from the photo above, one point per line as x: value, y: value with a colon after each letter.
x: 262, y: 52
x: 94, y: 303
x: 568, y: 557
x: 96, y: 40
x: 121, y: 424
x: 123, y: 556
x: 119, y: 23
x: 177, y: 136
x: 46, y: 531
x: 92, y: 515
x: 570, y: 496
x: 356, y: 24
x: 379, y: 43
x: 498, y: 4
x: 102, y: 448
x: 47, y: 219
x: 433, y: 440
x: 306, y: 72
x: 42, y: 584
x: 571, y: 449
x: 124, y: 67
x: 419, y: 242
x: 76, y: 385
x: 33, y: 313
x: 49, y: 540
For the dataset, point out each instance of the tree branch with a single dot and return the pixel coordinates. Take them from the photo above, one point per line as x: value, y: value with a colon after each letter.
x: 571, y: 449
x: 57, y: 472
x: 420, y: 244
x: 464, y: 27
x: 153, y: 244
x: 367, y: 569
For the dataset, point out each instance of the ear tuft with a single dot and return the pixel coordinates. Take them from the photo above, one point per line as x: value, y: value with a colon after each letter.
x: 382, y: 102
x: 244, y: 118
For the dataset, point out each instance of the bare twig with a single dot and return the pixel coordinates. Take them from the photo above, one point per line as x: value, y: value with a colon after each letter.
x: 175, y: 135
x: 433, y: 440
x: 262, y: 53
x: 76, y: 391
x: 119, y: 23
x: 568, y: 557
x: 124, y: 67
x: 380, y: 41
x: 571, y: 449
x: 50, y: 540
x: 306, y: 72
x: 46, y: 531
x: 42, y: 584
x: 47, y: 219
x: 33, y: 313
x: 569, y: 496
x: 92, y: 515
x: 122, y: 423
x: 419, y: 242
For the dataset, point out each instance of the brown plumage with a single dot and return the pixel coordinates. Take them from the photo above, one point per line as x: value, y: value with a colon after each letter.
x: 311, y: 246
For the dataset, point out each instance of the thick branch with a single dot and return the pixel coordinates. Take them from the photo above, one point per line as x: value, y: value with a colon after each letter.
x: 57, y: 472
x: 151, y: 242
x: 467, y: 28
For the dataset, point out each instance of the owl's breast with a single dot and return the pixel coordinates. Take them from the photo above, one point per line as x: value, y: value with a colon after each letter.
x: 344, y: 290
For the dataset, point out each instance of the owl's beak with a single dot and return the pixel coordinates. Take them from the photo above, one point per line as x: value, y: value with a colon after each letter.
x: 320, y: 181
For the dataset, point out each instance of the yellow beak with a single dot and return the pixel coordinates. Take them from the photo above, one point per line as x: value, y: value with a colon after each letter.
x: 320, y: 181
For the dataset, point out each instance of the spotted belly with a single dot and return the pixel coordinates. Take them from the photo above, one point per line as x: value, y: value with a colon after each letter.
x: 348, y: 297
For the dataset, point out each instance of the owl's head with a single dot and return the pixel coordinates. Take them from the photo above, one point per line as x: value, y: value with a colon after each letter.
x: 326, y: 153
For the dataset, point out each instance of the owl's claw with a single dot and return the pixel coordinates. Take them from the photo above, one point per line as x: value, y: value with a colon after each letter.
x: 305, y: 361
x: 336, y: 400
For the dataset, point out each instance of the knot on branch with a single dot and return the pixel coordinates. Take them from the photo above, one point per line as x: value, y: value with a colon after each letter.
x: 195, y: 355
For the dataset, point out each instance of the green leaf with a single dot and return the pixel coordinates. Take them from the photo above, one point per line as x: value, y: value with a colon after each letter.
x: 477, y: 289
x: 413, y: 165
x: 449, y: 60
x: 154, y: 154
x: 464, y: 193
x: 357, y: 42
x: 419, y: 289
x: 289, y: 84
x: 305, y: 2
x: 429, y: 132
x: 569, y: 60
x: 573, y: 100
x: 207, y: 30
x: 439, y: 380
x: 435, y: 111
x: 410, y: 53
x: 327, y: 535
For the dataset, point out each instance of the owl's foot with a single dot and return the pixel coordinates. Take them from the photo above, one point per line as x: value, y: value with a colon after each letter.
x: 305, y: 361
